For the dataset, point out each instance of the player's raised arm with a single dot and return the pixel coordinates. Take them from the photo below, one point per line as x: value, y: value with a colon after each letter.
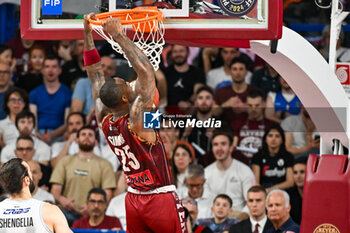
x: 145, y: 83
x: 93, y: 65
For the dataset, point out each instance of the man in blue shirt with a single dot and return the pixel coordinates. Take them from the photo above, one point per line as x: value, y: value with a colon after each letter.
x: 278, y: 208
x: 50, y: 102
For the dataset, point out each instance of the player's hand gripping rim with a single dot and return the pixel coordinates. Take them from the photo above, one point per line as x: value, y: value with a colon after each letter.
x: 87, y: 25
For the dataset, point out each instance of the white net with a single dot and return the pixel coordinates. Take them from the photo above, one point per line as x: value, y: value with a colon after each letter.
x: 150, y: 43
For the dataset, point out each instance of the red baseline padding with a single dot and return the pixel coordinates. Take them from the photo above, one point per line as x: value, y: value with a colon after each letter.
x: 326, y: 198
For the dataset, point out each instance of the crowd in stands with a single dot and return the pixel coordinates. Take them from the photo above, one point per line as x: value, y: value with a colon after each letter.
x: 225, y: 175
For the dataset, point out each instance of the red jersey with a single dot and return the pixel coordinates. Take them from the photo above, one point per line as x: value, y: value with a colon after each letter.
x: 145, y: 164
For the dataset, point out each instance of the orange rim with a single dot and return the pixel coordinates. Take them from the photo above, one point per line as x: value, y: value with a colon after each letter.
x: 138, y: 15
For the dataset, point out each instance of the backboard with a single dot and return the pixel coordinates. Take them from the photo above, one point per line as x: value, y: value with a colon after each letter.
x: 190, y: 22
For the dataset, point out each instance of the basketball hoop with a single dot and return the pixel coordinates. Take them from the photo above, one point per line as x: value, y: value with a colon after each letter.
x: 147, y: 28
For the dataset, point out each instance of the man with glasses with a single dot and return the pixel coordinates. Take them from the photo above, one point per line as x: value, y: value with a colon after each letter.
x: 194, y: 180
x: 5, y: 80
x: 96, y: 206
x: 25, y: 150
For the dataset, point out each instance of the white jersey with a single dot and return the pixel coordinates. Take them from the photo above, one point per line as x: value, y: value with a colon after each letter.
x: 22, y: 216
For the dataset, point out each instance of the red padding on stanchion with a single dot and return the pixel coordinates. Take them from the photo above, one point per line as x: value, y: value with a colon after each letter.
x: 326, y: 199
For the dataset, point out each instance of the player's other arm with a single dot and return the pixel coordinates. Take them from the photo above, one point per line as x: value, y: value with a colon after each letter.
x: 94, y: 68
x: 145, y: 84
x: 54, y: 219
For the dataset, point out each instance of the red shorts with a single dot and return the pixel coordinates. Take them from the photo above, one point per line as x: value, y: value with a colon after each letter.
x: 156, y: 213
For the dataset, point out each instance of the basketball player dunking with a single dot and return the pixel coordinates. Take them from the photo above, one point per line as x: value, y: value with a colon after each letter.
x: 151, y: 203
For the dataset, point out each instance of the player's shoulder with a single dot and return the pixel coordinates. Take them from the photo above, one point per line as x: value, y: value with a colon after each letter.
x: 106, y: 120
x: 53, y: 217
x: 49, y: 211
x: 49, y: 207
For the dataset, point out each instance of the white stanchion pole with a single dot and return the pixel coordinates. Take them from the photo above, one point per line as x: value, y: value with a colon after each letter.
x: 337, y: 17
